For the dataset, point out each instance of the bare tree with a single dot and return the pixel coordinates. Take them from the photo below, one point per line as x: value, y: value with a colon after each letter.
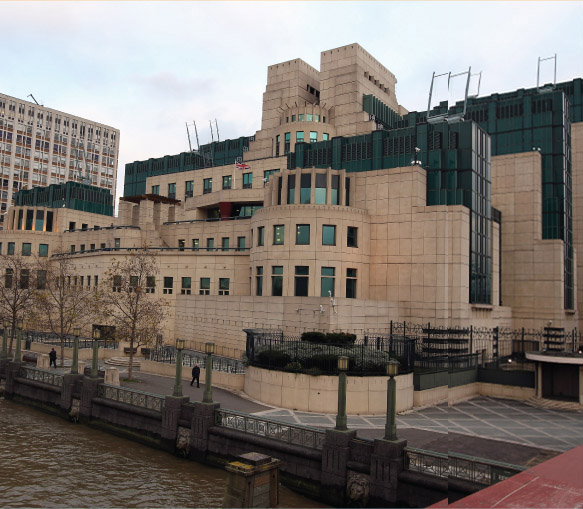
x: 17, y: 286
x: 128, y: 302
x: 61, y: 301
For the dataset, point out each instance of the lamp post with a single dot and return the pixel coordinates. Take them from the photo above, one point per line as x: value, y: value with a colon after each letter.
x: 390, y: 425
x: 341, y: 416
x: 178, y: 383
x: 18, y: 354
x: 75, y: 363
x: 94, y: 363
x: 207, y: 397
x: 5, y: 339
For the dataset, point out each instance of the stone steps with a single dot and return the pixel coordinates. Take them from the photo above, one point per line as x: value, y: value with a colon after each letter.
x: 554, y: 404
x: 124, y: 362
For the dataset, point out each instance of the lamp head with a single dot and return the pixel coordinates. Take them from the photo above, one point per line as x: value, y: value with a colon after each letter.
x: 96, y: 334
x: 179, y: 344
x: 6, y: 323
x: 342, y: 363
x: 20, y: 323
x: 77, y: 331
x: 392, y: 368
x: 209, y: 348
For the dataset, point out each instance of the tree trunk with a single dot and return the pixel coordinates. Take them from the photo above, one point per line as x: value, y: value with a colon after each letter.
x: 131, y: 363
x: 62, y: 351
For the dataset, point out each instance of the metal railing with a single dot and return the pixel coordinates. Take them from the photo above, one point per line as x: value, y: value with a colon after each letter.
x: 167, y: 354
x: 41, y: 375
x: 459, y: 466
x: 48, y: 338
x: 131, y: 397
x: 304, y: 436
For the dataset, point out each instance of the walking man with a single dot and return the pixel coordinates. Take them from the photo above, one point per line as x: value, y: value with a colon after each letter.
x: 196, y: 375
x: 52, y: 358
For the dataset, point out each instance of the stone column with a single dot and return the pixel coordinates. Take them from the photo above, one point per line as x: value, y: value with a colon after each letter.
x: 335, y: 455
x: 539, y: 380
x: 69, y: 381
x: 581, y: 385
x: 386, y: 463
x: 170, y: 418
x: 88, y: 392
x: 11, y: 369
x: 203, y: 418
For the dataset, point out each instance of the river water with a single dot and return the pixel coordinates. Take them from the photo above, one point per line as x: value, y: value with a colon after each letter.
x: 48, y: 462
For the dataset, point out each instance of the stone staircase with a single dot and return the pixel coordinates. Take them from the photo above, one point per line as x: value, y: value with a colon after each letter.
x: 554, y: 404
x: 124, y: 362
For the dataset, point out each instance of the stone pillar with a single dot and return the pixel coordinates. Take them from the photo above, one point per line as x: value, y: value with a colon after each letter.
x: 43, y: 361
x: 12, y: 369
x: 112, y: 376
x: 581, y: 385
x: 252, y: 481
x: 203, y: 418
x: 539, y: 380
x: 88, y: 392
x: 386, y: 463
x: 69, y: 381
x: 335, y: 455
x: 170, y: 418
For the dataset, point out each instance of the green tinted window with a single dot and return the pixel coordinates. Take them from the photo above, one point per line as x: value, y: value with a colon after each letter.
x: 302, y: 234
x: 328, y: 235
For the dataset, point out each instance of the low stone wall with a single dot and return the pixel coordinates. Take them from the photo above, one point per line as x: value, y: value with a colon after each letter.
x: 296, y: 391
x: 220, y: 378
x: 430, y: 396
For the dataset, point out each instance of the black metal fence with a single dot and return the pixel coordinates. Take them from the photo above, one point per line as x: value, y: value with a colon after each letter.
x: 48, y: 338
x: 190, y: 358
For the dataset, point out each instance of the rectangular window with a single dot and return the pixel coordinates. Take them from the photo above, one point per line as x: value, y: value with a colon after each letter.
x: 240, y: 243
x: 117, y: 243
x: 150, y: 284
x: 195, y: 244
x: 43, y: 250
x: 205, y: 286
x: 225, y: 243
x: 328, y: 235
x: 316, y: 118
x: 207, y: 186
x: 299, y: 136
x: 92, y: 247
x: 301, y: 117
x: 352, y: 236
x: 168, y: 284
x: 181, y: 243
x: 26, y: 247
x: 20, y: 216
x: 186, y: 284
x: 156, y: 190
x: 224, y: 283
x: 278, y: 234
x: 259, y: 281
x: 102, y: 245
x: 227, y: 181
x: 116, y: 284
x: 305, y: 187
x: 277, y: 142
x: 293, y: 118
x: 291, y: 189
x: 261, y: 236
x: 320, y: 192
x: 309, y: 117
x: 286, y: 145
x: 247, y: 180
x: 40, y: 220
x: 325, y: 136
x: 172, y: 190
x: 41, y: 279
x: 29, y: 219
x: 327, y: 284
x: 10, y: 248
x: 302, y: 234
x: 277, y: 280
x: 313, y: 136
x: 8, y: 278
x: 24, y: 278
x: 268, y: 173
x: 210, y: 244
x: 302, y: 279
x: 335, y: 183
x: 351, y: 283
x: 49, y: 225
x: 189, y: 188
x: 347, y: 190
x: 96, y: 279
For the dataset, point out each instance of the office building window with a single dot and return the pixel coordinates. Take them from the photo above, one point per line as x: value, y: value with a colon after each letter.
x: 278, y: 234
x: 205, y: 286
x: 117, y: 243
x: 189, y: 188
x: 291, y: 189
x: 325, y: 136
x: 156, y: 190
x: 11, y: 248
x: 150, y: 284
x: 305, y: 187
x: 72, y: 248
x: 286, y: 145
x: 224, y: 283
x: 259, y: 281
x: 299, y: 136
x: 26, y: 248
x: 320, y: 192
x: 82, y: 248
x: 181, y: 243
x: 207, y: 186
x: 261, y: 236
x: 335, y: 183
x: 247, y: 180
x: 41, y: 279
x: 8, y: 278
x: 186, y: 286
x: 29, y: 219
x: 328, y: 235
x: 225, y: 243
x: 351, y: 283
x: 268, y: 173
x: 40, y: 220
x: 277, y: 142
x: 347, y: 191
x: 277, y: 280
x: 168, y: 285
x: 43, y: 250
x: 227, y: 181
x: 195, y: 244
x: 313, y: 136
x: 302, y: 278
x: 302, y: 234
x: 327, y: 284
x: 116, y: 287
x: 210, y: 244
x: 240, y: 243
x: 172, y: 190
x: 352, y: 236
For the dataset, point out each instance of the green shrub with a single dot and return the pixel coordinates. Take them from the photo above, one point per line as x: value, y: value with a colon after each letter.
x: 293, y: 366
x: 273, y: 358
x: 340, y: 338
x: 314, y: 337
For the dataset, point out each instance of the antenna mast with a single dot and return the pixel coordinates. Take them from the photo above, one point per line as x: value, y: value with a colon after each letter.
x: 30, y: 95
x: 217, y: 126
x: 212, y: 137
x: 188, y: 134
x: 196, y: 133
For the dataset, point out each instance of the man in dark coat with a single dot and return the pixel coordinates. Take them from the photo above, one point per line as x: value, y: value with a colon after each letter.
x: 196, y: 375
x: 52, y: 358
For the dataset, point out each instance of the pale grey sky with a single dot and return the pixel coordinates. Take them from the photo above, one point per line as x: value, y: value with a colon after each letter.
x: 148, y: 67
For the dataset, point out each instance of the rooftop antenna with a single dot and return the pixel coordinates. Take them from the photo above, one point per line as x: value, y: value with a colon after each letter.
x: 552, y: 87
x: 479, y: 83
x: 30, y: 95
x: 212, y: 137
x: 446, y: 117
x: 196, y: 134
x: 188, y: 134
x: 217, y: 126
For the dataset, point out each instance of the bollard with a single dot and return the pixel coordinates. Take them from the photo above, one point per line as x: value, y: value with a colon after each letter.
x: 252, y: 481
x: 42, y: 361
x: 112, y: 376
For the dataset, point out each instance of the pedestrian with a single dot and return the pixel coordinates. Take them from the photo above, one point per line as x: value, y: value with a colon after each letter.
x: 196, y: 375
x: 52, y: 358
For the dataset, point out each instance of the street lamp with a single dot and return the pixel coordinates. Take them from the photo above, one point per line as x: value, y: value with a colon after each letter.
x: 18, y: 355
x: 207, y: 396
x: 341, y: 416
x: 391, y: 426
x: 6, y: 324
x: 178, y: 383
x: 75, y: 363
x: 94, y: 364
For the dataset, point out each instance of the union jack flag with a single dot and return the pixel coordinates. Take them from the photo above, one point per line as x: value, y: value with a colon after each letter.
x: 242, y: 166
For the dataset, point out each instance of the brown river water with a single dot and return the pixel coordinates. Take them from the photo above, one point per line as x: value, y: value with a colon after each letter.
x: 48, y: 462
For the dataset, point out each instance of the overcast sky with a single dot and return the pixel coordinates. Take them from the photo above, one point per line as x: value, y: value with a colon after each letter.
x: 146, y: 68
